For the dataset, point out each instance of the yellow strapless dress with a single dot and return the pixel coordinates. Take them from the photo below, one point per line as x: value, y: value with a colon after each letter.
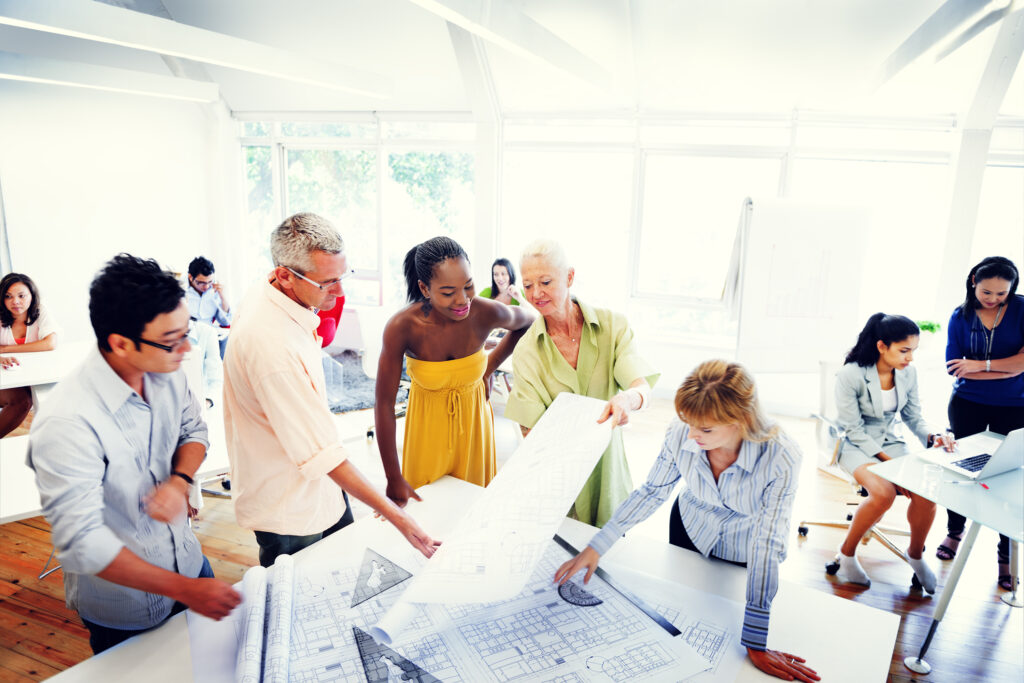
x: 449, y: 425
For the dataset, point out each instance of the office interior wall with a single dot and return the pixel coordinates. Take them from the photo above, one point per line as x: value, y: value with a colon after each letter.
x: 89, y: 174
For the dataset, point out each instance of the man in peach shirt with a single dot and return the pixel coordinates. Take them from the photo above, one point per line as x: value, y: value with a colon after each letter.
x: 289, y: 470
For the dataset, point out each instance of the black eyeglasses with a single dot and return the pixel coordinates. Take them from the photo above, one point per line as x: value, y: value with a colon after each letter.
x: 322, y: 286
x: 168, y: 348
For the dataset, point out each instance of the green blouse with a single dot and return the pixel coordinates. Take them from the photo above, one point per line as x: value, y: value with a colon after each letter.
x: 608, y: 362
x: 486, y: 293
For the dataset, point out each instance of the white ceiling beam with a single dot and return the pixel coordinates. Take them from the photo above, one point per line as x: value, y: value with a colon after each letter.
x: 106, y: 24
x: 995, y: 80
x: 17, y: 67
x: 501, y: 23
x: 972, y: 156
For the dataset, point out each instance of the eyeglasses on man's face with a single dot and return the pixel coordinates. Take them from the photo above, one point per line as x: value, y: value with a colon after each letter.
x: 169, y: 348
x: 322, y: 286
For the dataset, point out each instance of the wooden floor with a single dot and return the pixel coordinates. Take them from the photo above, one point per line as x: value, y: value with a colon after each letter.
x: 981, y: 639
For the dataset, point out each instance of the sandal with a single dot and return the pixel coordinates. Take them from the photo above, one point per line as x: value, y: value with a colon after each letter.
x: 947, y: 549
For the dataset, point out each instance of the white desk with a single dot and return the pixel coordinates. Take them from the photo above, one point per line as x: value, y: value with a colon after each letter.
x: 999, y: 505
x: 803, y: 620
x: 43, y: 369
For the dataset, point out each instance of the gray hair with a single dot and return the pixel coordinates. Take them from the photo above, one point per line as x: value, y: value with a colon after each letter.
x: 293, y: 242
x: 549, y: 251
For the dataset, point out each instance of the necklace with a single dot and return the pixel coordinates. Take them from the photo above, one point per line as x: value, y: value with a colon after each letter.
x: 990, y: 335
x: 572, y: 337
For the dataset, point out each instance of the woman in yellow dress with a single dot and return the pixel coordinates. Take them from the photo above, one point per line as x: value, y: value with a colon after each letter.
x: 449, y: 426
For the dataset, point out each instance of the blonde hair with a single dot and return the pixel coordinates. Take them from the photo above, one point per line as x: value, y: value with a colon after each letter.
x: 549, y: 251
x: 723, y: 392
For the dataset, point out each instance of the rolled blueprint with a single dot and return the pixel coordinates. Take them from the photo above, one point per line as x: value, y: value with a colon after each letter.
x: 279, y: 621
x: 249, y: 663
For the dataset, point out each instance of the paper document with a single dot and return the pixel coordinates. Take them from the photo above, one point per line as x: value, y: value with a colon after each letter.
x: 545, y: 633
x: 494, y: 549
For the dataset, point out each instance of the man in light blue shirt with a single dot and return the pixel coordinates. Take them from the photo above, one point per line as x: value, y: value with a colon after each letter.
x: 206, y: 298
x: 114, y: 450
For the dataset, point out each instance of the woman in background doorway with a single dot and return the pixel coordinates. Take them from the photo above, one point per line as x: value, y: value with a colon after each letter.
x: 503, y: 283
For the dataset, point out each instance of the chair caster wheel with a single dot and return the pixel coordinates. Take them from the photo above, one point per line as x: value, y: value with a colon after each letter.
x: 849, y: 517
x: 225, y: 484
x: 832, y: 567
x: 802, y: 530
x: 915, y: 583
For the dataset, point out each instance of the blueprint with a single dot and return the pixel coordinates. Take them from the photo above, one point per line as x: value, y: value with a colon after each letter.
x: 540, y: 634
x: 709, y: 623
x: 495, y: 547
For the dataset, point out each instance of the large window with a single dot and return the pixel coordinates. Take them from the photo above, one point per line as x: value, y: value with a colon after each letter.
x: 383, y: 196
x: 690, y: 213
x: 580, y: 199
x: 426, y: 193
x: 908, y: 202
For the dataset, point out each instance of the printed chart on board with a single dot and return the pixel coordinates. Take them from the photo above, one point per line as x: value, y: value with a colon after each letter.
x: 574, y: 634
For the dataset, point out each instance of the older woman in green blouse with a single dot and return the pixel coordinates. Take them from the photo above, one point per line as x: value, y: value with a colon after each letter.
x: 584, y: 350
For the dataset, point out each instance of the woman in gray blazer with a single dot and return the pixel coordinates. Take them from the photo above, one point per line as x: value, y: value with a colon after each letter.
x: 876, y: 386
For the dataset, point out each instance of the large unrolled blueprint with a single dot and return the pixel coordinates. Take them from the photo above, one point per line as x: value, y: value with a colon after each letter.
x: 494, y: 549
x: 544, y: 633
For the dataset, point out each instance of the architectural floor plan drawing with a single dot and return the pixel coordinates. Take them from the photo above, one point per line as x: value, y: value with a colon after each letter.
x: 535, y: 636
x: 492, y: 552
x: 709, y: 623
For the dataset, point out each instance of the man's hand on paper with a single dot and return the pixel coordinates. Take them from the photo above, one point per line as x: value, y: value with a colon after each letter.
x: 416, y: 536
x: 618, y: 408
x: 587, y: 559
x: 782, y: 665
x: 212, y: 598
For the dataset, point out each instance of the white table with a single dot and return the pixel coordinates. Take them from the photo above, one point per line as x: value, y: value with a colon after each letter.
x: 999, y: 505
x: 803, y: 620
x: 41, y: 370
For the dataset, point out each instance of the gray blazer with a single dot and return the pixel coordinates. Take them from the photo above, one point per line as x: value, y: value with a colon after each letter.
x: 859, y: 403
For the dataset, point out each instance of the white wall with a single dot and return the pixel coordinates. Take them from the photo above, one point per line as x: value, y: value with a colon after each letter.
x: 88, y: 174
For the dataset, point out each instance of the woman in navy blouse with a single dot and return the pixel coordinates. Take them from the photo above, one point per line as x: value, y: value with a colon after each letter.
x: 741, y: 473
x: 985, y: 352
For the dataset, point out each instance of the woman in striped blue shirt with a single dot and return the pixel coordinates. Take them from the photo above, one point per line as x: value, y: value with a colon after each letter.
x: 741, y: 474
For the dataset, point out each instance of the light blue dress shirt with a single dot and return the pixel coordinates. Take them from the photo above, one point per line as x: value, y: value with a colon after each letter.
x: 98, y: 449
x: 743, y: 517
x: 206, y: 307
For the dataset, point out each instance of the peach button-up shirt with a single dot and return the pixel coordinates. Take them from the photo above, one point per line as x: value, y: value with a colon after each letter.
x: 281, y: 436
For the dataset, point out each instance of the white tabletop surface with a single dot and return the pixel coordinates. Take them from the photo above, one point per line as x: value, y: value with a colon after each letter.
x: 999, y: 507
x: 43, y: 367
x: 804, y: 621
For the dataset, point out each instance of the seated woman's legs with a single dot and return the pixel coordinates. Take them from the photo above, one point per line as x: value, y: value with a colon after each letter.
x: 14, y: 407
x: 881, y: 495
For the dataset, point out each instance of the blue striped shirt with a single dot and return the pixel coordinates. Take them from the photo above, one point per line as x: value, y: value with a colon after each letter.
x: 98, y: 448
x: 743, y: 517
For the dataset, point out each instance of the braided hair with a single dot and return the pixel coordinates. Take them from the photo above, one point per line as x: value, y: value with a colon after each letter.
x: 423, y: 258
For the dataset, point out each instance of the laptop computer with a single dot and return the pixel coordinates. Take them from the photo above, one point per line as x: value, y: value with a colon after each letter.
x: 984, y: 457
